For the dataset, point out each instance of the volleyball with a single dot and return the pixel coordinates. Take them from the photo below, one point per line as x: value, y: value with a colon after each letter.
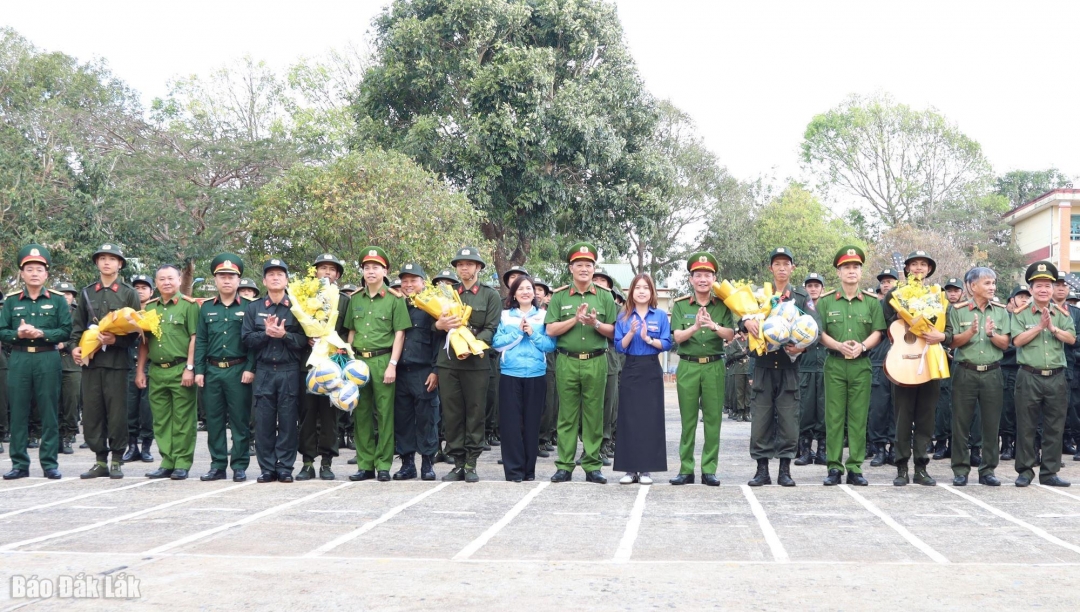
x: 326, y: 376
x: 776, y: 331
x: 357, y: 372
x: 787, y: 311
x: 804, y: 331
x: 346, y: 397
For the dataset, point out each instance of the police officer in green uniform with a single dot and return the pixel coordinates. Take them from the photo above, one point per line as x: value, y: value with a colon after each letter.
x: 224, y: 370
x: 319, y: 419
x: 1018, y: 300
x: 978, y: 332
x: 463, y: 382
x: 581, y: 317
x: 416, y: 416
x: 881, y: 423
x: 171, y: 380
x: 853, y: 324
x: 140, y: 420
x: 812, y: 387
x: 378, y: 318
x: 700, y: 323
x: 615, y: 361
x: 104, y: 397
x: 272, y: 332
x: 33, y: 321
x: 915, y: 405
x: 1061, y: 297
x: 1041, y: 333
x: 774, y: 428
x: 70, y: 380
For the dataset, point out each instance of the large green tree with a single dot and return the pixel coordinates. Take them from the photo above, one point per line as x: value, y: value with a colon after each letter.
x: 1022, y: 186
x: 533, y: 109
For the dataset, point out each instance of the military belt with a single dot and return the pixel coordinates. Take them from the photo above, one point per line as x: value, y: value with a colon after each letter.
x: 1047, y: 373
x: 978, y: 368
x: 703, y: 359
x: 169, y: 364
x: 33, y: 349
x: 842, y: 356
x: 226, y: 363
x: 375, y: 353
x: 581, y: 356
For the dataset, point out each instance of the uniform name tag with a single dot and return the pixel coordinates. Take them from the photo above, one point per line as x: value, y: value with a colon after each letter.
x: 965, y: 324
x: 689, y: 316
x: 834, y: 313
x: 264, y: 314
x: 240, y: 313
x: 19, y: 307
x: 46, y: 306
x: 212, y: 314
x: 567, y: 307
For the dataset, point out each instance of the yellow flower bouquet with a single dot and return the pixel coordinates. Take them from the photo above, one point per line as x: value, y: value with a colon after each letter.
x: 443, y: 300
x: 120, y: 322
x: 746, y: 303
x: 923, y: 308
x: 315, y: 306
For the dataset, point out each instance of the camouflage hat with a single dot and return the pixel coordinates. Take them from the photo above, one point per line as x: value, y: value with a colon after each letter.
x: 227, y: 263
x: 412, y: 268
x: 110, y: 249
x: 468, y: 254
x: 34, y: 253
x: 146, y: 280
x: 330, y: 259
x: 66, y: 288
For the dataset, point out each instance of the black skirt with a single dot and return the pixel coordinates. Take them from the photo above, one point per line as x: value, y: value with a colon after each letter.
x: 642, y: 444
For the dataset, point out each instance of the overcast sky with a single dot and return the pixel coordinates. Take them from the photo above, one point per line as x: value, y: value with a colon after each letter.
x: 751, y: 74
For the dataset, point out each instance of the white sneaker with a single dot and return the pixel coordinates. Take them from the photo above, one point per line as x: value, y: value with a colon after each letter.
x: 644, y: 478
x: 630, y: 478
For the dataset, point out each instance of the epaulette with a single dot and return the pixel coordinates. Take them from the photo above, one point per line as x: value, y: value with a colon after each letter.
x: 153, y: 299
x: 604, y: 288
x: 867, y: 292
x: 563, y: 288
x: 246, y: 299
x: 190, y: 299
x: 959, y: 305
x: 1064, y: 311
x: 396, y: 293
x: 827, y: 293
x: 685, y: 297
x: 997, y: 304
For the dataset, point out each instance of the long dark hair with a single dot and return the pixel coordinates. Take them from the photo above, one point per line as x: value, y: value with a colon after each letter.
x: 629, y: 306
x: 511, y: 301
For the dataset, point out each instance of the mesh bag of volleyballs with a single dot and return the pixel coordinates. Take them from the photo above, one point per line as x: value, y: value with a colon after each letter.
x: 324, y: 378
x: 356, y: 372
x: 777, y: 331
x: 787, y: 311
x: 346, y: 396
x: 804, y: 331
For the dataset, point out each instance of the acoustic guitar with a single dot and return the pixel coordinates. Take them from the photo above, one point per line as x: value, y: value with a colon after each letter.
x: 906, y: 357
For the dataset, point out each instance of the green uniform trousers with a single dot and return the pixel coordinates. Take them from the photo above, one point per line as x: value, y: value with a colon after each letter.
x: 463, y: 395
x: 581, y: 384
x: 318, y: 435
x: 34, y: 377
x: 174, y: 409
x: 105, y: 422
x: 975, y: 394
x: 228, y: 404
x: 375, y: 409
x: 1040, y: 400
x: 551, y: 404
x: 491, y: 404
x: 915, y: 408
x: 3, y: 396
x: 943, y: 416
x: 70, y: 396
x: 812, y: 405
x: 700, y: 387
x: 847, y: 403
x: 774, y: 426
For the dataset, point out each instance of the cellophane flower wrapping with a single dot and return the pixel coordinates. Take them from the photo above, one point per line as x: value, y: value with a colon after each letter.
x: 747, y: 303
x: 923, y: 307
x: 315, y: 306
x: 440, y: 300
x: 120, y: 322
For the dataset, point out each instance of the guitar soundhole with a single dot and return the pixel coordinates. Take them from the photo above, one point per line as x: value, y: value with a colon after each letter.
x: 909, y: 338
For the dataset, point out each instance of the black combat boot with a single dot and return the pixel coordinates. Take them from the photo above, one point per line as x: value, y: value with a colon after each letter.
x: 761, y: 477
x: 819, y: 456
x: 783, y: 478
x: 132, y: 450
x: 408, y: 467
x: 805, y: 456
x: 879, y: 456
x: 1008, y: 448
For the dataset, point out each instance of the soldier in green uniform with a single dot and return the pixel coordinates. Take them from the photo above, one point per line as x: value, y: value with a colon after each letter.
x: 581, y: 317
x: 700, y: 323
x: 171, y: 381
x: 33, y: 322
x: 463, y: 382
x: 881, y: 423
x: 318, y: 434
x: 1061, y: 297
x: 853, y: 324
x: 774, y: 428
x: 915, y: 405
x: 615, y: 361
x: 1018, y: 300
x: 378, y: 318
x: 978, y: 332
x: 104, y: 397
x: 70, y: 380
x: 224, y: 370
x: 1041, y: 332
x: 737, y: 378
x: 449, y: 277
x: 140, y: 420
x: 812, y: 387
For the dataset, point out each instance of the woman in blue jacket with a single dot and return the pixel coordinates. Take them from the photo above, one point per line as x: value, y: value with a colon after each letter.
x: 523, y: 383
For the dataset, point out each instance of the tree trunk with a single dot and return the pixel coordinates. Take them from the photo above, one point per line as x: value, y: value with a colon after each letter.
x: 187, y: 277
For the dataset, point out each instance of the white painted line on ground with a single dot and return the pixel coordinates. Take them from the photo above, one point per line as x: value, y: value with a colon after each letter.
x: 700, y: 513
x: 117, y: 519
x: 60, y: 502
x: 1059, y: 492
x: 368, y: 526
x: 339, y: 511
x: 218, y: 509
x: 1012, y: 519
x: 247, y: 519
x: 576, y: 513
x: 957, y: 513
x: 626, y: 545
x: 825, y: 514
x: 779, y: 554
x: 95, y: 507
x: 40, y: 484
x: 451, y: 512
x: 479, y: 542
x: 897, y: 527
x: 1057, y: 515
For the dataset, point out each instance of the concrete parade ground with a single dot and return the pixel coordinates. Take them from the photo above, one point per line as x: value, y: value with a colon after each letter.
x: 497, y: 545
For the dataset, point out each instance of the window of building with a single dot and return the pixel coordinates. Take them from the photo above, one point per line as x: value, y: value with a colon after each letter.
x: 1074, y: 231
